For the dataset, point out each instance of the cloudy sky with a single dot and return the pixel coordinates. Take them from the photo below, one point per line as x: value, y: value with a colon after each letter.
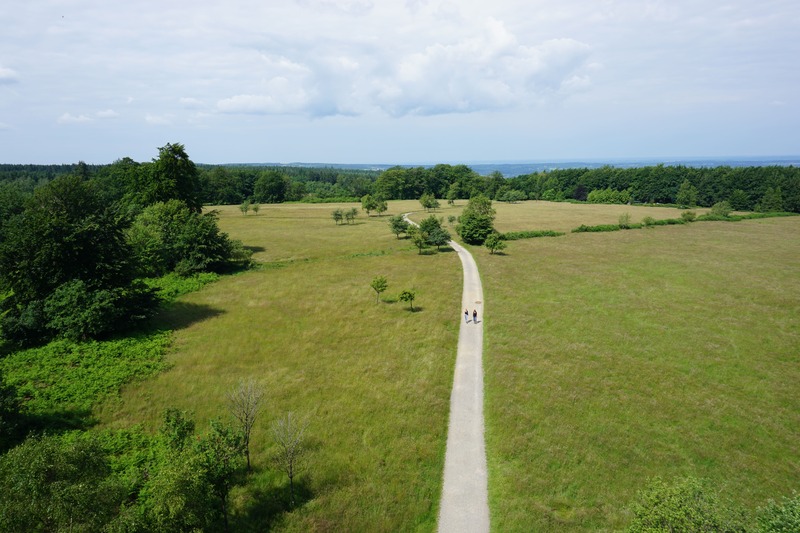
x: 398, y: 81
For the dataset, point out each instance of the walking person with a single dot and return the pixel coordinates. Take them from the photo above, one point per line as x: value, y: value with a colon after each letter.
x: 475, y: 316
x: 466, y: 316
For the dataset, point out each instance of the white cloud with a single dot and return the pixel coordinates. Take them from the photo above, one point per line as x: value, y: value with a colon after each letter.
x: 108, y: 113
x: 281, y: 96
x: 191, y: 103
x: 69, y: 118
x: 8, y: 76
x: 158, y: 120
x: 4, y: 126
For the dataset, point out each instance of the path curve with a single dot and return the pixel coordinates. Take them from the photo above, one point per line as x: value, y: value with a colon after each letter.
x: 464, y: 506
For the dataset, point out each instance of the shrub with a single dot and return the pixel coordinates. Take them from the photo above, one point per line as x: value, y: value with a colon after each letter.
x: 516, y: 235
x: 783, y: 517
x: 688, y: 216
x: 684, y: 505
x: 648, y: 221
x: 721, y: 209
x: 625, y: 221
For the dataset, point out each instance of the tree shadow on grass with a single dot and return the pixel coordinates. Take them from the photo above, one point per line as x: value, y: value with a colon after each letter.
x: 417, y: 309
x: 267, y: 505
x: 255, y: 249
x: 180, y: 315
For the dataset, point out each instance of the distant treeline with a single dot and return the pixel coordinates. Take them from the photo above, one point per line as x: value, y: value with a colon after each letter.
x: 743, y: 187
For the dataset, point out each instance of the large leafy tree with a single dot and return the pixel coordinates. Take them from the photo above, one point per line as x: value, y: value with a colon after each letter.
x: 271, y: 187
x: 476, y: 222
x: 171, y: 176
x: 66, y: 253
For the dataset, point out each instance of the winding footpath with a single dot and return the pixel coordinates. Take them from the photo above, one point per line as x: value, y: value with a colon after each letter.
x: 464, y: 507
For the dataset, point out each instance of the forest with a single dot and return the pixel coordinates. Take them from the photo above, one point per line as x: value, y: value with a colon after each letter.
x: 745, y: 188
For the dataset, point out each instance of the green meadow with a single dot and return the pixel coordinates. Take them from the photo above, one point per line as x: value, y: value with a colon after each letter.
x: 613, y: 358
x: 373, y: 379
x: 609, y: 359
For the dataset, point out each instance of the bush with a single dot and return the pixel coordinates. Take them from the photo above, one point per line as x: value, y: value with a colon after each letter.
x: 721, y: 209
x: 625, y: 221
x: 516, y: 235
x: 688, y: 216
x: 783, y: 517
x: 684, y: 505
x: 648, y: 221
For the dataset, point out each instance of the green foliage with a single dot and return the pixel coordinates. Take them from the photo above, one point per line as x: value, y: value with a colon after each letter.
x: 625, y: 221
x: 66, y: 245
x: 648, y: 221
x: 721, y: 209
x: 772, y: 201
x: 10, y: 413
x: 67, y: 375
x: 53, y: 484
x: 583, y: 228
x: 398, y: 225
x: 177, y: 429
x: 477, y: 219
x: 609, y: 196
x: 495, y: 243
x: 418, y: 237
x: 350, y: 215
x: 271, y: 187
x: 172, y: 285
x: 338, y: 215
x: 172, y: 176
x: 687, y: 195
x: 256, y: 208
x: 170, y: 237
x: 780, y: 517
x: 369, y: 203
x: 289, y: 433
x: 429, y: 202
x: 438, y: 237
x: 688, y: 216
x: 512, y: 196
x: 379, y: 284
x: 408, y: 296
x: 245, y: 207
x: 684, y: 505
x: 516, y: 235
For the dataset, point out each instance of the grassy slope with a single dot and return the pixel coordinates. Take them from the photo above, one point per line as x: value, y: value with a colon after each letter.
x: 611, y: 358
x: 374, y: 378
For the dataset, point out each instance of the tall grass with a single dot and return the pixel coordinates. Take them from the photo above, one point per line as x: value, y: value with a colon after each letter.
x: 374, y: 379
x: 611, y: 358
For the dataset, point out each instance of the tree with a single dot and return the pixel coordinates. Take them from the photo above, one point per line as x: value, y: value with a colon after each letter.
x: 270, y: 187
x: 66, y: 248
x: 379, y: 284
x: 494, y: 243
x: 54, y: 484
x: 10, y: 407
x: 418, y: 237
x: 381, y: 206
x: 221, y: 453
x: 721, y: 209
x: 439, y: 237
x: 772, y: 201
x: 476, y: 220
x: 288, y: 433
x: 256, y: 208
x: 408, y: 296
x: 369, y: 203
x: 337, y: 215
x: 171, y: 176
x: 351, y: 215
x: 687, y: 195
x: 398, y: 224
x: 245, y: 207
x: 429, y: 202
x: 244, y: 404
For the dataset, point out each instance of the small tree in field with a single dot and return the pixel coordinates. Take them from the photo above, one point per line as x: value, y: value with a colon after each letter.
x: 351, y: 215
x: 245, y: 207
x: 398, y: 225
x: 244, y: 403
x: 379, y: 284
x: 337, y: 215
x: 288, y: 432
x: 494, y: 243
x: 256, y: 208
x: 381, y: 206
x: 408, y: 296
x: 369, y: 203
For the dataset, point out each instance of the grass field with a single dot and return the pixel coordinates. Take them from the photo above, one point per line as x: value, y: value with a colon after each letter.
x: 612, y: 358
x: 609, y: 358
x: 374, y: 379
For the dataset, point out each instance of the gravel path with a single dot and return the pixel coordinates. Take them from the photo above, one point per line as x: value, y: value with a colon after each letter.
x: 464, y: 507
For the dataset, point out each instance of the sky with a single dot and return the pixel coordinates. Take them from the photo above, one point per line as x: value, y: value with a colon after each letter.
x: 398, y: 81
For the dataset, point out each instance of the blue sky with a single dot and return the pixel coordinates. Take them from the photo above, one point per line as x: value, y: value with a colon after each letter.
x: 406, y: 81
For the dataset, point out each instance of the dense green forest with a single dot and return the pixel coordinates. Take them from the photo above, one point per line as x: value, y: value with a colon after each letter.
x: 745, y: 188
